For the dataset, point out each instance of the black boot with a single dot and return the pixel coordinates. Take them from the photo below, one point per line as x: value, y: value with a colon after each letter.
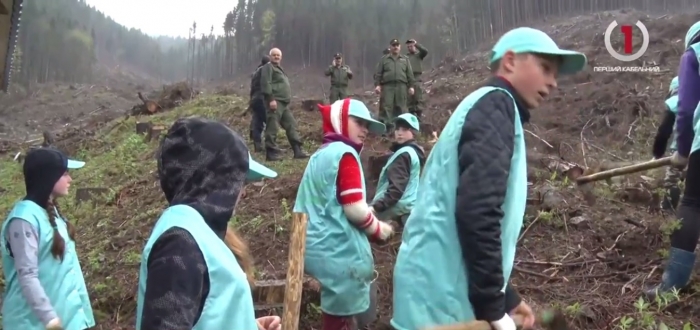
x: 298, y: 153
x: 258, y: 146
x: 273, y: 155
x: 676, y: 275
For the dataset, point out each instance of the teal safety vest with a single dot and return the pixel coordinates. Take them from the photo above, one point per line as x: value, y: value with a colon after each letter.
x: 338, y: 254
x: 405, y: 204
x: 672, y: 104
x: 63, y: 282
x: 229, y: 304
x: 696, y: 115
x: 430, y: 277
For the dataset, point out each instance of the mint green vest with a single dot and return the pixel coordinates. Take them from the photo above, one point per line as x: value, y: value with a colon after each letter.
x: 430, y: 277
x: 63, y: 282
x: 229, y: 304
x: 405, y: 204
x: 672, y: 104
x: 338, y: 254
x: 696, y: 115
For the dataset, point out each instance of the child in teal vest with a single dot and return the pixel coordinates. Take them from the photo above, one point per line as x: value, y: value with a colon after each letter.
x: 666, y: 131
x: 397, y: 188
x: 332, y: 193
x: 44, y: 284
x: 458, y: 246
x: 196, y: 273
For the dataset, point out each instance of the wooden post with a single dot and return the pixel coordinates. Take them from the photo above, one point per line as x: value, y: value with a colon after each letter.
x: 295, y: 273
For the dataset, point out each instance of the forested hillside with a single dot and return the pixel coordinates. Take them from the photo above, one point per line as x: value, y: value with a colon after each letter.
x: 310, y: 31
x: 62, y: 40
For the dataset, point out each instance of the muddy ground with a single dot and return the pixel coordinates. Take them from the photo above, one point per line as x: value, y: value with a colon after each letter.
x: 590, y: 260
x: 57, y: 107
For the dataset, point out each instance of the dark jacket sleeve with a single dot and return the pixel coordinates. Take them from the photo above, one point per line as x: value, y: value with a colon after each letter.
x: 398, y: 174
x: 266, y: 82
x: 422, y: 51
x: 485, y: 152
x: 177, y: 283
x: 663, y: 134
x: 512, y: 298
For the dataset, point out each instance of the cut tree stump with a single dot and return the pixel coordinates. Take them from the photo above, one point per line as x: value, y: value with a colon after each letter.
x: 48, y: 139
x: 83, y: 195
x: 143, y: 128
x: 311, y: 105
x: 295, y: 273
x: 151, y: 106
x: 154, y: 133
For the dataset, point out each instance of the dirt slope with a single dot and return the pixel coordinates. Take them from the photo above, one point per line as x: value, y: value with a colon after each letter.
x: 24, y: 114
x: 591, y: 261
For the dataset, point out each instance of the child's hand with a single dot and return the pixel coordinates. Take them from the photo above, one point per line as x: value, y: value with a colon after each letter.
x: 385, y: 231
x: 269, y: 323
x: 54, y: 324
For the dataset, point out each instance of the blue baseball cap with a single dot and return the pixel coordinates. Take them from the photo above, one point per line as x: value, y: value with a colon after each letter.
x: 359, y: 110
x: 410, y: 119
x: 691, y: 35
x: 257, y: 171
x: 529, y: 40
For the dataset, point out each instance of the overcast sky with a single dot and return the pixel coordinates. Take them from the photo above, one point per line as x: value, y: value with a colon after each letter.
x: 167, y: 17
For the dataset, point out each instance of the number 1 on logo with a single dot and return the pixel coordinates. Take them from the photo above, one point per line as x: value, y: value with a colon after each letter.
x: 627, y: 32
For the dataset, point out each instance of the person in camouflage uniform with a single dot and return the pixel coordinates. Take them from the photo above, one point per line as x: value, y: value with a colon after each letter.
x: 666, y: 130
x: 274, y: 85
x: 257, y: 122
x: 340, y: 78
x: 393, y: 80
x: 416, y: 55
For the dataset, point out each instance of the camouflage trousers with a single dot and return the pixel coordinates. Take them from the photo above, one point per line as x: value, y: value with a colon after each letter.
x: 672, y: 190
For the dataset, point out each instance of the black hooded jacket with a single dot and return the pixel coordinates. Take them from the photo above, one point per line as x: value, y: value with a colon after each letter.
x: 203, y: 164
x: 398, y: 174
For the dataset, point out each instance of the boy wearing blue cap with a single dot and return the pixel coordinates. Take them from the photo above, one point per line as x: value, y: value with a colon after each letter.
x: 397, y: 188
x: 667, y: 130
x: 684, y: 239
x: 458, y: 245
x: 196, y: 272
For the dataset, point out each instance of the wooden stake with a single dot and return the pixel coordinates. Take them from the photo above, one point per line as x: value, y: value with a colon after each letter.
x: 295, y: 273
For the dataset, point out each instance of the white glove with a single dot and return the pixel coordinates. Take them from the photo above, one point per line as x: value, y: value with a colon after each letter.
x: 54, y: 324
x: 385, y: 230
x: 505, y: 323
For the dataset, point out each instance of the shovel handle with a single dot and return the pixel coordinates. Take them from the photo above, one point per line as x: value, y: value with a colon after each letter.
x: 644, y: 166
x: 475, y: 325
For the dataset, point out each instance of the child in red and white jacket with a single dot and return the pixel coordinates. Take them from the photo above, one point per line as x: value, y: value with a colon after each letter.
x: 332, y: 193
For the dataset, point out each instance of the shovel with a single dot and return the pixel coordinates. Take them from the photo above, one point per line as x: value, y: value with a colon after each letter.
x: 587, y: 190
x: 644, y: 166
x: 550, y: 320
